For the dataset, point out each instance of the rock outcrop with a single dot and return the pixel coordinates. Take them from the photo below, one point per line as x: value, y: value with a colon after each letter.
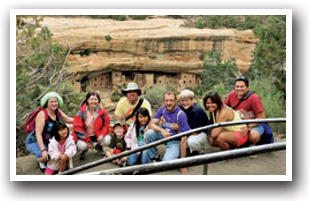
x: 154, y: 51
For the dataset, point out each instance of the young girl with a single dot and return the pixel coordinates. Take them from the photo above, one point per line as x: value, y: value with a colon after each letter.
x: 61, y: 149
x: 135, y: 135
x: 118, y: 144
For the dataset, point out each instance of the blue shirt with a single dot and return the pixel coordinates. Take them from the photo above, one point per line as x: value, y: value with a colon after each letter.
x: 196, y: 116
x: 177, y: 116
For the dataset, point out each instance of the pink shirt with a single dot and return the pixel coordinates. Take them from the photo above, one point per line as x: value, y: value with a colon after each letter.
x: 89, y: 124
x: 62, y: 147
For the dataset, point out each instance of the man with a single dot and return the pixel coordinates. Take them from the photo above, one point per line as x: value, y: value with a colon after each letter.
x: 169, y: 114
x: 196, y: 118
x: 129, y: 105
x: 251, y: 108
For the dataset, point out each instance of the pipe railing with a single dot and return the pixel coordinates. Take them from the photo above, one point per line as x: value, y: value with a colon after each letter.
x: 177, y: 136
x: 191, y: 161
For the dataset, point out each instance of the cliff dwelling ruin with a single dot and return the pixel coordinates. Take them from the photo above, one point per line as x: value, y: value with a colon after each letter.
x: 149, y: 52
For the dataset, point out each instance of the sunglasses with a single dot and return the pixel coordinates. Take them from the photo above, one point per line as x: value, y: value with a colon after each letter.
x: 211, y: 94
x: 241, y: 78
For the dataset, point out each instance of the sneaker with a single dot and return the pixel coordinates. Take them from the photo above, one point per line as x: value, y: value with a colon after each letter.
x: 122, y: 163
x: 194, y: 153
x: 202, y: 151
x: 156, y: 158
x: 98, y: 147
x: 43, y: 170
x: 99, y: 150
x: 83, y: 154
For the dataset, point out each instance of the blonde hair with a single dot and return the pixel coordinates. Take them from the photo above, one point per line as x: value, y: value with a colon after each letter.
x: 186, y: 94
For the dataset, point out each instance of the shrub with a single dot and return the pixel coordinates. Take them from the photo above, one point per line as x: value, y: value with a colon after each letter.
x: 139, y: 17
x: 108, y: 37
x: 114, y: 17
x: 155, y: 95
x: 200, y: 25
x: 176, y: 16
x: 273, y: 102
x: 115, y: 97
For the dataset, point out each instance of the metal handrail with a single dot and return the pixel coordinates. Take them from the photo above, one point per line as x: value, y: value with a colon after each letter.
x: 191, y: 161
x: 177, y: 136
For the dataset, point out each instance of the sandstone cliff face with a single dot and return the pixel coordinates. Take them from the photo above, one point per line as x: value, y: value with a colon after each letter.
x: 149, y: 46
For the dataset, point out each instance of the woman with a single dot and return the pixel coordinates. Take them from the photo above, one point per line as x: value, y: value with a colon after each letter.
x: 37, y: 141
x: 91, y: 125
x: 229, y: 136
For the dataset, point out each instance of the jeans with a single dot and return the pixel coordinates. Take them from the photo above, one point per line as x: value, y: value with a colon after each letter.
x: 134, y: 158
x: 33, y: 146
x: 172, y: 150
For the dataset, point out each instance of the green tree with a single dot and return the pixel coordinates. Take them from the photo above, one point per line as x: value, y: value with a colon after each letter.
x: 270, y: 53
x: 41, y: 66
x: 216, y: 72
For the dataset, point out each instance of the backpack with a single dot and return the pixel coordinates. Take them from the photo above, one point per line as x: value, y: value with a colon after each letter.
x: 29, y: 125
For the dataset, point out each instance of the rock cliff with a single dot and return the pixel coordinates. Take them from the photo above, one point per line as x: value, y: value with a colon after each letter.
x: 101, y: 46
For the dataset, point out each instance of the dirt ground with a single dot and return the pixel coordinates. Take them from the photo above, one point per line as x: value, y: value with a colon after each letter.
x: 272, y: 163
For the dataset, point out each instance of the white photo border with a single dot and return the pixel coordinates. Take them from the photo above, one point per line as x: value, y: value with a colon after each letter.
x: 287, y: 12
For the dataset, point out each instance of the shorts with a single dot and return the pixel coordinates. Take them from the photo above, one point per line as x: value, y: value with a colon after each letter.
x: 241, y: 139
x: 50, y: 171
x: 260, y: 129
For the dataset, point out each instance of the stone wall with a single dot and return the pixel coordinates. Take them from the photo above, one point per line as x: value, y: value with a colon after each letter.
x: 108, y: 80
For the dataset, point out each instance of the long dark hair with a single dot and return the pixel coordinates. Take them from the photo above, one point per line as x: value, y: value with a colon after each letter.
x: 215, y: 98
x: 57, y: 127
x: 144, y: 112
x: 89, y: 94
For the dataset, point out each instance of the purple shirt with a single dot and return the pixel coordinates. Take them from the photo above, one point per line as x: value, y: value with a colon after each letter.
x: 177, y: 116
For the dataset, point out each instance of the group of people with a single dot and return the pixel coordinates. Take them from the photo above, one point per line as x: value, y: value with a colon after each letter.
x: 134, y: 126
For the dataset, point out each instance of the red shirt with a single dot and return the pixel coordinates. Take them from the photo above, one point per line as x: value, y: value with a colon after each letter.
x: 249, y: 108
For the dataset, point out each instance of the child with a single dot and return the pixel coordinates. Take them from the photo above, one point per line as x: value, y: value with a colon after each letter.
x: 135, y: 135
x: 118, y: 143
x: 61, y: 149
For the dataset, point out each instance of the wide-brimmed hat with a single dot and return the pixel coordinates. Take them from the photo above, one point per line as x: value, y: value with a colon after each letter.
x: 131, y: 87
x: 49, y: 95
